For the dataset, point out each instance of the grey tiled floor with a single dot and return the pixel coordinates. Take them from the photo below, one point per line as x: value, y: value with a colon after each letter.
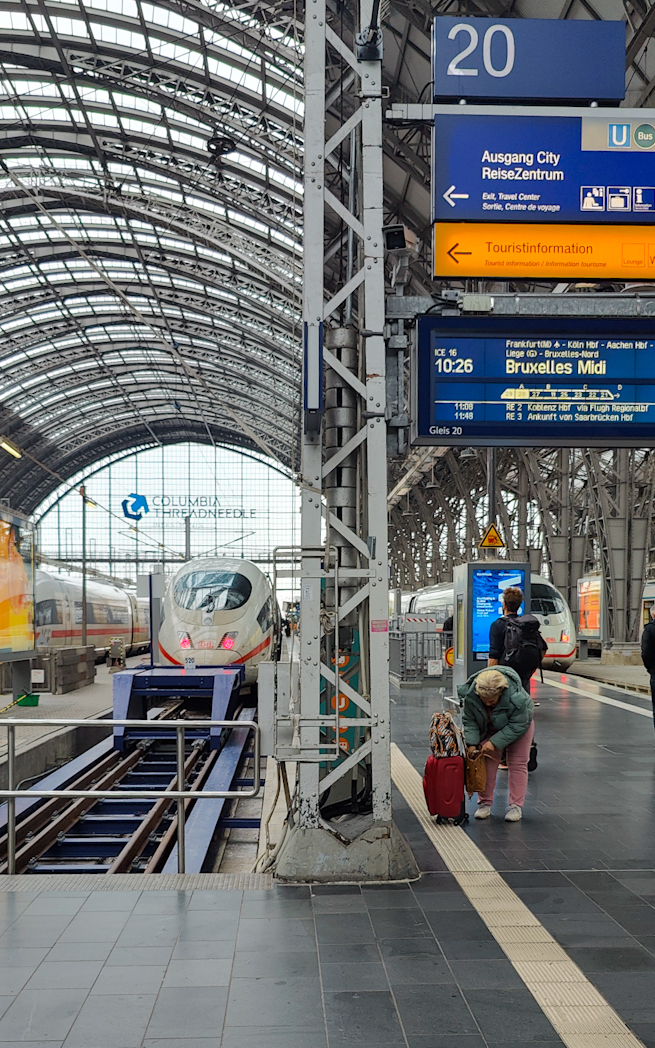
x: 583, y: 858
x: 326, y: 967
x: 409, y: 966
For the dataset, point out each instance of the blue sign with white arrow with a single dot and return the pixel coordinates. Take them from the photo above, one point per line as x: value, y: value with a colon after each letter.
x: 135, y: 506
x: 510, y: 168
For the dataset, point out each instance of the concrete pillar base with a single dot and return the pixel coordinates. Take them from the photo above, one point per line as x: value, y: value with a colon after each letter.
x: 381, y: 853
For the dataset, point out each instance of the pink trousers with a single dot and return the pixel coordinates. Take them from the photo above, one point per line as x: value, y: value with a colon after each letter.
x: 517, y: 765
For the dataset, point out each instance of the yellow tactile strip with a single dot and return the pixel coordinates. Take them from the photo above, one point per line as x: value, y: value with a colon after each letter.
x: 579, y: 1013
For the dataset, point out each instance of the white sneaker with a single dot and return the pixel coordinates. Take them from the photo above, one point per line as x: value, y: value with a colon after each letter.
x: 513, y: 813
x: 483, y: 812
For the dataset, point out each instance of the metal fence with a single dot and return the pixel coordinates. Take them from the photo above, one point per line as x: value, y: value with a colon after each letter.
x: 413, y: 656
x: 180, y: 794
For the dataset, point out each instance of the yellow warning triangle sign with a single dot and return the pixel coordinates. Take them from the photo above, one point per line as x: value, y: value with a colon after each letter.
x: 491, y: 539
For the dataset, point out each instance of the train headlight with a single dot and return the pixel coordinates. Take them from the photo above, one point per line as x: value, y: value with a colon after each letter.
x: 564, y: 637
x: 228, y: 640
x: 184, y: 639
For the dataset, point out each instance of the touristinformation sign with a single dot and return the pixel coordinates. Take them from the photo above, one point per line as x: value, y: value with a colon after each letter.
x: 544, y: 196
x: 16, y: 583
x: 534, y: 381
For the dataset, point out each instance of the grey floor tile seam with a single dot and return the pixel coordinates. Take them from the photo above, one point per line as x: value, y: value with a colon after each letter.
x: 386, y: 975
x: 605, y: 913
x: 320, y: 975
x: 389, y: 983
x: 449, y: 966
x: 229, y: 982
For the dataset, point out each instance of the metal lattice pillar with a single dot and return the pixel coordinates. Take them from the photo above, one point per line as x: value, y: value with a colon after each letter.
x: 310, y: 528
x: 343, y: 448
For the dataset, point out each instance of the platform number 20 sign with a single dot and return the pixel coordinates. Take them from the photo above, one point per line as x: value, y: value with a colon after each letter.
x: 456, y: 69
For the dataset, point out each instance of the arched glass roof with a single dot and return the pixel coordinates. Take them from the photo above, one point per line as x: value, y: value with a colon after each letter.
x: 150, y: 213
x: 151, y: 210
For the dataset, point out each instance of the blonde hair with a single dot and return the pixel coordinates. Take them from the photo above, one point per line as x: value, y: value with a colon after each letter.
x: 490, y: 683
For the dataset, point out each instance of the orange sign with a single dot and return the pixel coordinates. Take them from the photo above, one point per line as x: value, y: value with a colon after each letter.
x: 554, y: 252
x: 590, y: 592
x: 449, y: 657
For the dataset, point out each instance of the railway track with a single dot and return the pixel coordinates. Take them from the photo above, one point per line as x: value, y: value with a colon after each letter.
x: 118, y: 834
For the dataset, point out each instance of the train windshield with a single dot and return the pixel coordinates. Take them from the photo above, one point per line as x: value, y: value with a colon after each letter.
x: 212, y: 591
x: 544, y: 600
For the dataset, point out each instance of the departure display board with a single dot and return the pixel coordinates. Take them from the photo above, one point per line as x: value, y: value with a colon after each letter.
x: 539, y: 381
x: 487, y: 586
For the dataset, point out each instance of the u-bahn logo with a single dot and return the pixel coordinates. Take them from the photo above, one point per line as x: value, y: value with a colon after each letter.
x: 134, y: 506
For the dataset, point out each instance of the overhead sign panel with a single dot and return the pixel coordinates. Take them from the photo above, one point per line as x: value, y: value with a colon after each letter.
x: 595, y: 170
x: 550, y: 252
x: 539, y: 381
x: 528, y: 58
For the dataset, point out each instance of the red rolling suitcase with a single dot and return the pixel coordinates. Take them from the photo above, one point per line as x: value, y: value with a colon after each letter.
x: 443, y: 785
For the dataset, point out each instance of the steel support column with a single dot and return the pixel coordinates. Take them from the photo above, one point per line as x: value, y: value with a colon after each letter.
x: 344, y: 470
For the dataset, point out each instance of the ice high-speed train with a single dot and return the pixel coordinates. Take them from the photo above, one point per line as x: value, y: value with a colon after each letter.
x: 111, y: 612
x: 548, y: 605
x: 220, y: 611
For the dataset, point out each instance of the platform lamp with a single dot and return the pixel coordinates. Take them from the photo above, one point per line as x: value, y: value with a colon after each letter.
x: 86, y: 501
x: 11, y: 449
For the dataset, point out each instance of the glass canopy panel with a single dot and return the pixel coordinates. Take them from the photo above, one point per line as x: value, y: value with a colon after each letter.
x: 150, y: 257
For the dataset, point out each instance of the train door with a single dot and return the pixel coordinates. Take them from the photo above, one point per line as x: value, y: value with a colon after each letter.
x: 68, y: 639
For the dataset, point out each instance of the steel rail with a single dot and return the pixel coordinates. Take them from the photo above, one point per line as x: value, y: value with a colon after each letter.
x: 11, y: 723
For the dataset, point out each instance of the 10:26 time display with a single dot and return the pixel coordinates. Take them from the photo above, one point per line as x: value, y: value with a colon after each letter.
x: 458, y: 366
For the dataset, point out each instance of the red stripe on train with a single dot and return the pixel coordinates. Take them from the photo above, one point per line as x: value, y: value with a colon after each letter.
x: 250, y: 655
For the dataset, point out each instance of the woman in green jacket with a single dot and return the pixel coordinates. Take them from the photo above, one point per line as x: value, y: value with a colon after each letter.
x: 498, y: 715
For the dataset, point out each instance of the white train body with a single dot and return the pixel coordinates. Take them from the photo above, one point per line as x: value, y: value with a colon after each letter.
x: 219, y: 611
x: 111, y: 612
x: 548, y: 605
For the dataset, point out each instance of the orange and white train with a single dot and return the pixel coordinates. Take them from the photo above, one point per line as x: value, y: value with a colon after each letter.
x: 220, y: 611
x: 110, y: 612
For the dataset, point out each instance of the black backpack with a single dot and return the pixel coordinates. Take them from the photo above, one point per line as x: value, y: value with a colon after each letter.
x: 524, y: 645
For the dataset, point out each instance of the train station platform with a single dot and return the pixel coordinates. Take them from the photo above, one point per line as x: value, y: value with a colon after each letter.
x: 39, y: 748
x: 633, y: 678
x: 92, y: 701
x: 539, y: 933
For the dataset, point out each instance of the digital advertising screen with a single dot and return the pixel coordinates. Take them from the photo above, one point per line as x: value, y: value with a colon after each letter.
x: 519, y: 381
x: 487, y: 585
x: 590, y: 608
x: 16, y: 583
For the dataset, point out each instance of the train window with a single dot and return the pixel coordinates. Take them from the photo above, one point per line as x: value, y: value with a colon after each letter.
x: 544, y: 600
x: 90, y: 615
x: 265, y: 617
x: 212, y: 591
x: 48, y: 612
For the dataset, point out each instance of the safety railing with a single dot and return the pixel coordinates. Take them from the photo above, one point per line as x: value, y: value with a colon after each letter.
x: 180, y: 794
x: 414, y: 656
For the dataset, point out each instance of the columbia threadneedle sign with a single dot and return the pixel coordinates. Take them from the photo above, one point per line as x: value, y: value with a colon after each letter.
x: 538, y: 381
x: 544, y: 196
